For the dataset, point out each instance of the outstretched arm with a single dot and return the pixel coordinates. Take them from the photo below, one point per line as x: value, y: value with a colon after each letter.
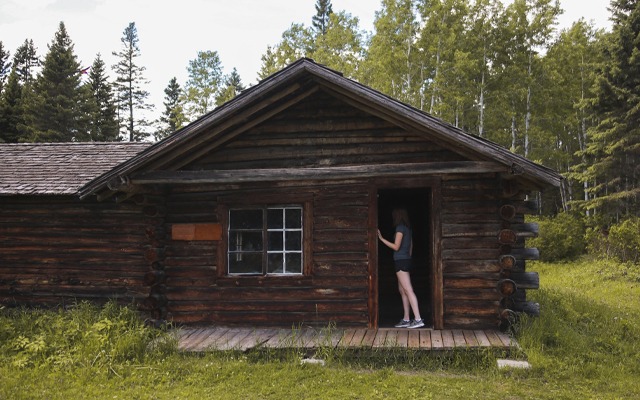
x: 395, y: 245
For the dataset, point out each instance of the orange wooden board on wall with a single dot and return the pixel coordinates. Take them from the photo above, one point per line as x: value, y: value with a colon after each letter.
x: 196, y: 232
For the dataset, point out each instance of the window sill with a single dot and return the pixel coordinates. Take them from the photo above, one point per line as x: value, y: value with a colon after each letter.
x: 264, y: 280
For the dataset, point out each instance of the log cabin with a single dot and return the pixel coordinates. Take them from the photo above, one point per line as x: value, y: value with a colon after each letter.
x: 264, y: 212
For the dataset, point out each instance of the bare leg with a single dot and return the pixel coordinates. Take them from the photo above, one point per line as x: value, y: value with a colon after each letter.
x: 404, y: 285
x: 405, y: 301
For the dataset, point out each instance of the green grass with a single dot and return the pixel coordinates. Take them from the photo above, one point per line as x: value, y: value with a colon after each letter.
x: 585, y: 344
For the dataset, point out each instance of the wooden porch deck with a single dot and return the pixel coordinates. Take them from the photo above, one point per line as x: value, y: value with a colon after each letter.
x: 243, y: 339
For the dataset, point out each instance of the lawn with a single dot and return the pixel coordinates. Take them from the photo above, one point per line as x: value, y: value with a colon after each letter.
x: 585, y: 344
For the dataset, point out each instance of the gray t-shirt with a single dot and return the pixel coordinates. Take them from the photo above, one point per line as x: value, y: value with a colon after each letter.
x: 404, y: 252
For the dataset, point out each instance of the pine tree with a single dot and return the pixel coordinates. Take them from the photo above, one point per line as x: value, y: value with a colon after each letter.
x: 204, y: 83
x: 615, y: 145
x: 57, y: 111
x: 5, y: 66
x: 173, y: 117
x: 104, y: 119
x: 11, y: 111
x: 320, y: 21
x: 26, y: 61
x: 131, y: 97
x: 233, y: 87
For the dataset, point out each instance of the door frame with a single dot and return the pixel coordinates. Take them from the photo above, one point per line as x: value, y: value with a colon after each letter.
x: 435, y: 278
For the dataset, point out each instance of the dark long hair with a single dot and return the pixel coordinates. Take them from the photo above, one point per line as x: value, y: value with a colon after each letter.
x: 400, y: 217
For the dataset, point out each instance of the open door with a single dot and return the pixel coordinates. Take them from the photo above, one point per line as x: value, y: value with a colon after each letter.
x: 417, y: 201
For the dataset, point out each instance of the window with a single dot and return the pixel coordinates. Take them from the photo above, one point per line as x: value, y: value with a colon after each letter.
x: 266, y: 241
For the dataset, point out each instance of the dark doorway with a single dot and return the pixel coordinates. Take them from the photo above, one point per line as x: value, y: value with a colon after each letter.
x: 417, y: 202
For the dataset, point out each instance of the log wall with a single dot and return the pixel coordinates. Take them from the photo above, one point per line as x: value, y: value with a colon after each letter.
x: 58, y: 250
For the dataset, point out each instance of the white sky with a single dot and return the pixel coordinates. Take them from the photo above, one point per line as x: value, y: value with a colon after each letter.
x: 172, y: 32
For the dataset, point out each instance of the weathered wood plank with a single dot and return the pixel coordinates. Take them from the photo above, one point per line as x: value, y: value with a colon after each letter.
x: 380, y: 338
x: 470, y: 338
x: 413, y: 341
x: 436, y: 340
x: 458, y: 338
x: 425, y: 339
x: 481, y: 338
x: 448, y: 342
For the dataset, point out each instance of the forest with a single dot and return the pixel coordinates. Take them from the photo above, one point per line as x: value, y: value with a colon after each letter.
x: 568, y: 99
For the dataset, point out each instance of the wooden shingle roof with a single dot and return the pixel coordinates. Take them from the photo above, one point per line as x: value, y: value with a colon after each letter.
x: 58, y: 168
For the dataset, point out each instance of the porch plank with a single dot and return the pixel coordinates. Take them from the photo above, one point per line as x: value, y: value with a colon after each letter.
x: 425, y: 339
x: 403, y: 338
x: 414, y: 339
x: 458, y: 338
x: 470, y: 338
x: 447, y: 340
x: 380, y: 339
x: 210, y: 341
x: 482, y: 338
x: 358, y: 337
x: 367, y: 340
x: 436, y: 340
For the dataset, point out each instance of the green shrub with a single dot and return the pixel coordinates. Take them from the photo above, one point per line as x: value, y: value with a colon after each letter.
x: 620, y: 241
x: 560, y: 238
x: 624, y: 240
x: 84, y: 335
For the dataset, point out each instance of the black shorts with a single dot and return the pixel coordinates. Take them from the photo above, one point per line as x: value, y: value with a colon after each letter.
x: 403, y: 265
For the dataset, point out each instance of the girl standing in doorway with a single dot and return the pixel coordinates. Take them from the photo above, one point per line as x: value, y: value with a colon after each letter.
x: 402, y: 247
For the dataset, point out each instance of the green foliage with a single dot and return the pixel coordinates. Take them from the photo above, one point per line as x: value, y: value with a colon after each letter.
x: 204, y: 84
x: 129, y: 86
x: 104, y: 120
x: 57, y: 111
x: 560, y: 238
x: 83, y: 336
x: 619, y: 241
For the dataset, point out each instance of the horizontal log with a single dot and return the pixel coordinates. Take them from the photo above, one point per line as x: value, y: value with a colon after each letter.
x: 526, y: 254
x: 470, y: 266
x: 489, y: 294
x: 468, y: 308
x: 342, y: 172
x: 527, y: 307
x: 525, y: 280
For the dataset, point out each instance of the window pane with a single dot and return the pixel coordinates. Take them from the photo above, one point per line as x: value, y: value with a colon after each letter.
x: 245, y: 241
x: 275, y: 264
x: 294, y: 263
x: 275, y: 241
x: 293, y: 240
x: 274, y: 218
x: 245, y: 219
x: 293, y: 218
x: 245, y: 263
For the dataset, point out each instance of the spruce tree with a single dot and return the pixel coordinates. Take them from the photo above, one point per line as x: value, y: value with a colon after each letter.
x: 5, y: 65
x: 26, y: 61
x: 320, y: 21
x: 131, y: 97
x: 11, y: 112
x: 57, y: 110
x: 173, y: 117
x: 233, y: 87
x: 104, y: 118
x: 615, y: 145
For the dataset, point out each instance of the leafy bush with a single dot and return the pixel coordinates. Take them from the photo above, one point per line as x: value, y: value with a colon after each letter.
x: 560, y: 237
x: 83, y: 336
x: 620, y: 241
